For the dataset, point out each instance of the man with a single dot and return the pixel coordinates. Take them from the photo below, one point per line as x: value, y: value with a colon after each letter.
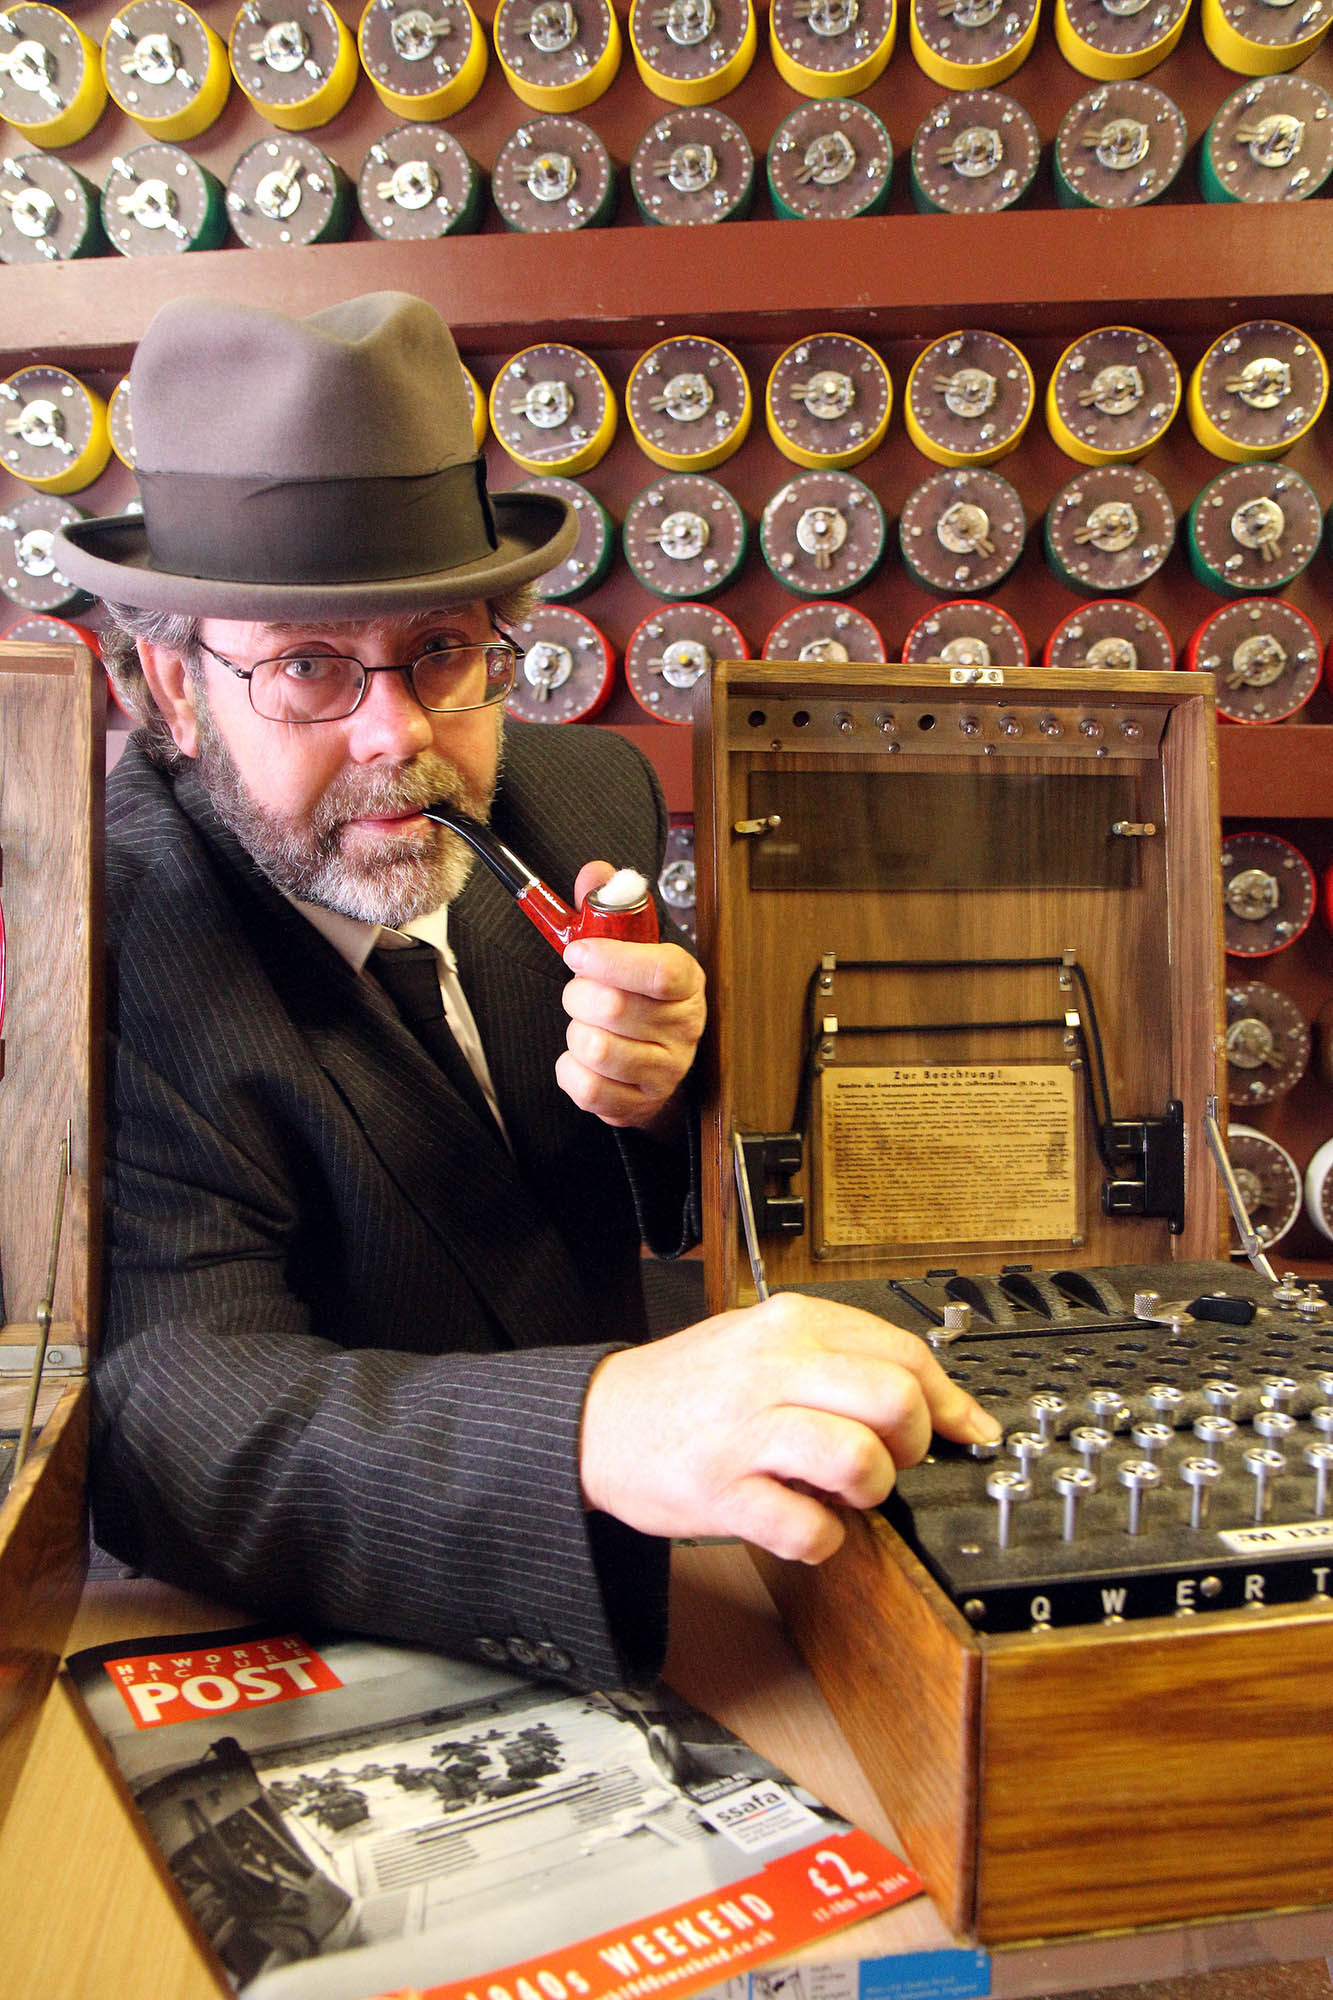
x: 371, y: 1284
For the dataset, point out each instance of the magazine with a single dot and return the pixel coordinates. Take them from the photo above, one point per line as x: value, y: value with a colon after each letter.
x: 346, y: 1819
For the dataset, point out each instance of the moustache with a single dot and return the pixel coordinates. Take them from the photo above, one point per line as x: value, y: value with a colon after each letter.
x: 386, y: 795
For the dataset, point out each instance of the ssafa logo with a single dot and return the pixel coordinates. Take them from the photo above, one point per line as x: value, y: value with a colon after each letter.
x: 159, y: 1688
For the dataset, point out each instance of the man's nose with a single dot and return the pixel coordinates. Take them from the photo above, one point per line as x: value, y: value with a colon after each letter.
x: 390, y: 722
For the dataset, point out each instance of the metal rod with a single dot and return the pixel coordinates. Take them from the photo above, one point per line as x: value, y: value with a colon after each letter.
x: 1250, y: 1243
x: 747, y: 1217
x: 44, y: 1310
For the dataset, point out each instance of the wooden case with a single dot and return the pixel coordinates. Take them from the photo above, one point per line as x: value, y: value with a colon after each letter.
x: 52, y: 707
x: 1053, y: 1780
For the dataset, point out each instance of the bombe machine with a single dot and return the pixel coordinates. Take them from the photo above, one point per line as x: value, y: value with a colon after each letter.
x: 965, y: 941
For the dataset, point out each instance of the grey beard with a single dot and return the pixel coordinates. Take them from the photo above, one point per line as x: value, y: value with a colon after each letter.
x: 304, y: 858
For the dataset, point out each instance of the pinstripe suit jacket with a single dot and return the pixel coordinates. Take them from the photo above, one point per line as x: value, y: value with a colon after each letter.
x: 348, y: 1334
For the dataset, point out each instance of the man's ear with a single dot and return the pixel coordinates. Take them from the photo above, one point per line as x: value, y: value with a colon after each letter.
x: 172, y: 688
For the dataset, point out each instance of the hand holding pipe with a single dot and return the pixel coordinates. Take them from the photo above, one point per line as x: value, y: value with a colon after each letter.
x: 621, y: 908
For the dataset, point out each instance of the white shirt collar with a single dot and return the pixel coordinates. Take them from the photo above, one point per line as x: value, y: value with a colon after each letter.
x: 354, y: 940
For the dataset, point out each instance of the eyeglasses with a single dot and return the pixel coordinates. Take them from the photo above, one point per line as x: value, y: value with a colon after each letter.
x: 325, y: 687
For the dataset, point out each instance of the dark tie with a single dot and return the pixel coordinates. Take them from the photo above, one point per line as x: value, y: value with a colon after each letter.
x: 410, y: 976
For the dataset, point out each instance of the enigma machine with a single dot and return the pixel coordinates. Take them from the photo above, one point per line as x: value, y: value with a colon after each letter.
x: 964, y: 934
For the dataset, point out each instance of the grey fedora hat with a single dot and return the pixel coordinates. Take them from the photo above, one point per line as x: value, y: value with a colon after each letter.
x: 293, y: 468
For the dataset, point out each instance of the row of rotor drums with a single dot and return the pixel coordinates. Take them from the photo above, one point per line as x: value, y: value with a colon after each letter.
x: 1275, y: 1190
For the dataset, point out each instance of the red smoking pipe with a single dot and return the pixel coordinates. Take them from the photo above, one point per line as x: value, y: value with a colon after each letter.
x: 621, y: 908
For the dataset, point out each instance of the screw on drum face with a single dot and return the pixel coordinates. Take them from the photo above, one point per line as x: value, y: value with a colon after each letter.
x: 1263, y: 1465
x: 1200, y: 1475
x: 1138, y: 1476
x: 1007, y: 1487
x: 1073, y: 1483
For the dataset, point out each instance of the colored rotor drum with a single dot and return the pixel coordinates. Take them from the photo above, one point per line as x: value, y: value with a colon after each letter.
x: 968, y: 399
x: 1264, y: 656
x: 828, y: 401
x: 831, y: 160
x: 1257, y: 389
x: 423, y: 62
x: 823, y: 631
x: 589, y: 561
x: 40, y: 630
x: 693, y: 166
x: 159, y: 202
x: 1253, y: 528
x: 1318, y: 1185
x: 165, y: 68
x: 1271, y: 141
x: 1112, y: 396
x: 831, y: 48
x: 1108, y: 530
x: 688, y: 403
x: 1269, y: 1182
x: 119, y: 422
x: 28, y: 573
x: 966, y: 632
x: 1267, y: 1043
x: 552, y: 409
x: 975, y: 154
x: 1268, y: 894
x: 1111, y: 39
x: 47, y: 211
x: 477, y: 403
x: 1119, y: 146
x: 823, y: 534
x: 284, y: 191
x: 567, y: 670
x: 673, y: 649
x: 692, y: 51
x: 299, y: 70
x: 972, y: 44
x: 962, y: 531
x: 1260, y: 37
x: 553, y: 174
x: 51, y: 85
x: 53, y: 430
x: 556, y: 56
x: 1111, y: 632
x: 417, y: 184
x: 684, y: 536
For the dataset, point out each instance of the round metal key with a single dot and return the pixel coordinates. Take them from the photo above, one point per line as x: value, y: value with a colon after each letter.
x: 966, y: 632
x: 831, y: 159
x: 1119, y: 146
x: 976, y: 153
x: 694, y: 165
x: 962, y: 531
x: 688, y: 403
x: 1259, y: 387
x: 1272, y: 140
x: 1111, y: 39
x: 28, y: 574
x: 287, y: 190
x: 672, y: 649
x: 1254, y: 527
x: 677, y: 883
x: 823, y: 631
x: 1112, y: 396
x: 553, y: 174
x: 557, y: 56
x: 684, y: 536
x: 166, y: 68
x: 1264, y: 656
x: 1269, y: 1182
x: 823, y: 534
x: 972, y: 44
x: 828, y: 401
x: 1108, y: 530
x: 296, y: 61
x: 159, y: 202
x: 53, y: 429
x: 968, y: 398
x: 47, y: 211
x: 52, y: 89
x: 552, y: 409
x: 417, y: 184
x: 119, y: 422
x: 831, y: 48
x: 423, y: 62
x: 1267, y: 1043
x: 567, y: 670
x: 589, y: 561
x: 692, y: 51
x: 1111, y: 632
x: 1260, y: 37
x: 1268, y: 893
